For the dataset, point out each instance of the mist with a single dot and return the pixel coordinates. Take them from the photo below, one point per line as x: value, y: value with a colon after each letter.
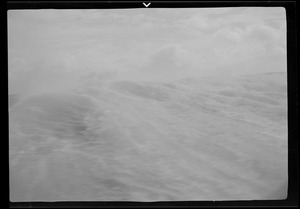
x: 147, y: 104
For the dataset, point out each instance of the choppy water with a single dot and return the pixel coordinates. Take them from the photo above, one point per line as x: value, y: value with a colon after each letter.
x: 148, y: 142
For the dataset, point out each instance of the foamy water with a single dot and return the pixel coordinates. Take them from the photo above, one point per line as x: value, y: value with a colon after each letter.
x: 198, y: 139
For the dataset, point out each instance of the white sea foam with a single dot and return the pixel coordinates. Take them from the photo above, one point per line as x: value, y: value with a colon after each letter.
x: 147, y: 141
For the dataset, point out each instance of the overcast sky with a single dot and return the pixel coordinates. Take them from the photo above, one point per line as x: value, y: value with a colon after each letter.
x: 152, y: 43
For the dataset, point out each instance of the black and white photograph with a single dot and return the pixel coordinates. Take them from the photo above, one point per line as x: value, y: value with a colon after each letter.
x: 147, y: 104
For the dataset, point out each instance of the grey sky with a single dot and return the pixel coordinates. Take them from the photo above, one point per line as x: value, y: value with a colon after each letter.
x: 148, y: 43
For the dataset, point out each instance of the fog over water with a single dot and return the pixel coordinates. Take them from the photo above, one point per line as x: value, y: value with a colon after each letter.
x: 147, y: 104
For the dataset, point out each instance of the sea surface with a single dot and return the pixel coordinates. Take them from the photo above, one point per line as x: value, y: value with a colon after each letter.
x: 206, y: 138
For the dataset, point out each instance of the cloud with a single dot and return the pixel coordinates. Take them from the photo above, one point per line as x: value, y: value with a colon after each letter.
x: 261, y: 33
x: 165, y: 59
x: 165, y: 63
x: 196, y: 21
x: 157, y: 41
x: 164, y: 56
x: 232, y: 35
x: 247, y: 42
